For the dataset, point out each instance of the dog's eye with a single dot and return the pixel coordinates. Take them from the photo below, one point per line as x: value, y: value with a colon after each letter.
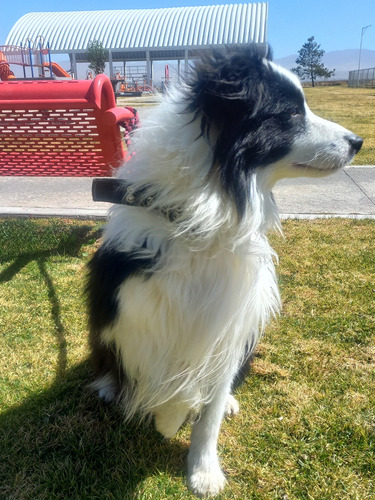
x: 295, y: 112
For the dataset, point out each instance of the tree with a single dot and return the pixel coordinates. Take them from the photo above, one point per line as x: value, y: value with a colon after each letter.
x: 309, y: 62
x: 97, y: 56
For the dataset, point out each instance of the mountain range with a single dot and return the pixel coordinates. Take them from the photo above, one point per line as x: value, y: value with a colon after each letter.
x: 342, y: 61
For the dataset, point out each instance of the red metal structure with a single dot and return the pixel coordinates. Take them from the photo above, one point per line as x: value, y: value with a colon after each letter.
x: 5, y: 72
x: 60, y: 128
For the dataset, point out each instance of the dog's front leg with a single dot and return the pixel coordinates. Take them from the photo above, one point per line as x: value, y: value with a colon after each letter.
x: 205, y: 476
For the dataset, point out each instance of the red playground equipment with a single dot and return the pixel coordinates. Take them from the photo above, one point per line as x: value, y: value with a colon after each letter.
x: 61, y: 127
x: 5, y: 72
x: 36, y: 58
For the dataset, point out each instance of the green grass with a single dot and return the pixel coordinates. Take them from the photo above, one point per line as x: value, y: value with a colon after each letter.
x: 354, y: 109
x: 307, y: 424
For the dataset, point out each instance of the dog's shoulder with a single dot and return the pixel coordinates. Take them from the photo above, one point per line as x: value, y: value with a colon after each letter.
x: 107, y: 270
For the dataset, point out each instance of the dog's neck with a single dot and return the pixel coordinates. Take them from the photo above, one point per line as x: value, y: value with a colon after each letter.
x: 119, y: 192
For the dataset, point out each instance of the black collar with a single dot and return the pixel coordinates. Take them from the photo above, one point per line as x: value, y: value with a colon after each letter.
x: 120, y: 192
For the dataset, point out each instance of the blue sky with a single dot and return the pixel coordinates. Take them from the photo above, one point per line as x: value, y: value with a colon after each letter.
x: 336, y: 24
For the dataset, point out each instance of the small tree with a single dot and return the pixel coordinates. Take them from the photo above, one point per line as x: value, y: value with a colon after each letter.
x: 97, y: 56
x: 309, y: 62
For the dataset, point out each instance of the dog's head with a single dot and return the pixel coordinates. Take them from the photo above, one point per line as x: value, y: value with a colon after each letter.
x: 255, y: 116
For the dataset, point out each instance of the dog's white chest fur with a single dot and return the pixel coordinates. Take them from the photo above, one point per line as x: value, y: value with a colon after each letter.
x: 214, y: 302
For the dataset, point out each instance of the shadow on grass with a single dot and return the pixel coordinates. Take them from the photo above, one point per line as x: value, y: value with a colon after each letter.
x: 63, y: 239
x: 64, y: 443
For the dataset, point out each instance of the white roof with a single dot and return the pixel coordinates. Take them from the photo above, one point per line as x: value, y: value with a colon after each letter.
x: 141, y: 29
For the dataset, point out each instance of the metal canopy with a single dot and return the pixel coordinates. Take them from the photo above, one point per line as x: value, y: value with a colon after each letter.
x: 154, y: 29
x: 144, y: 34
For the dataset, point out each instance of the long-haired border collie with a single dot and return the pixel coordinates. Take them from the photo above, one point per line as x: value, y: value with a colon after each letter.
x: 184, y: 282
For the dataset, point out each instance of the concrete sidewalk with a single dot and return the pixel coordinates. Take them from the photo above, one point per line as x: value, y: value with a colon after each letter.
x: 348, y: 193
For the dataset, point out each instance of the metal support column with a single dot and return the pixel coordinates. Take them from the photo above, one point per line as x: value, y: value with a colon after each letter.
x: 148, y: 68
x: 110, y: 64
x: 74, y: 66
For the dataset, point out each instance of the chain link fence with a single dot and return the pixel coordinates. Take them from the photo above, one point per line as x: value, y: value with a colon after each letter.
x: 362, y: 78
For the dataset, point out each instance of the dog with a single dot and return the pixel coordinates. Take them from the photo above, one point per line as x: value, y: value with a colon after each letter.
x: 184, y: 282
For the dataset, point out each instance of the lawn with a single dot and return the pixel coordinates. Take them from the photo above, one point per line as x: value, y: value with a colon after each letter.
x: 353, y: 109
x: 307, y: 424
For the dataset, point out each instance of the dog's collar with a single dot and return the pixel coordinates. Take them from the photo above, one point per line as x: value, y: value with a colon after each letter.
x: 122, y: 193
x: 119, y: 192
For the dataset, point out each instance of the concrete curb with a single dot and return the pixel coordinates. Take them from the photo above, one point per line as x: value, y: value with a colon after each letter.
x: 10, y: 212
x: 327, y: 216
x: 74, y: 213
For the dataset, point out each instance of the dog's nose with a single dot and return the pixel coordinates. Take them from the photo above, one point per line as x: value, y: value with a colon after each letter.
x: 355, y: 141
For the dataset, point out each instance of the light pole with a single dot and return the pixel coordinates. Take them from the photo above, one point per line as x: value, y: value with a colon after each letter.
x: 360, y: 47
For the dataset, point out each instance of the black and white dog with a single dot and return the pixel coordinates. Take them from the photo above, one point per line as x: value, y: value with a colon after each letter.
x: 184, y: 282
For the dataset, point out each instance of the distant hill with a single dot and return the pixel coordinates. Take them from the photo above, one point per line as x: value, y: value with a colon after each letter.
x: 342, y: 61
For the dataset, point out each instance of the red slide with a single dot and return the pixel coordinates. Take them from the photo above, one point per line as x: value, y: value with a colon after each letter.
x: 57, y: 69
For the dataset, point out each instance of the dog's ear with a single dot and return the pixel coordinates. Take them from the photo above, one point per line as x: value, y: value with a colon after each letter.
x: 226, y: 93
x: 224, y: 84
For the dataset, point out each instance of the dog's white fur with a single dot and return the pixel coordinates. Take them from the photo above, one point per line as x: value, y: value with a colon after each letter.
x: 213, y: 287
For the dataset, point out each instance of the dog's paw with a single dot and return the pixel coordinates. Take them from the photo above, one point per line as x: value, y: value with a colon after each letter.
x: 170, y: 416
x: 206, y: 482
x: 231, y: 406
x: 105, y: 388
x: 107, y: 393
